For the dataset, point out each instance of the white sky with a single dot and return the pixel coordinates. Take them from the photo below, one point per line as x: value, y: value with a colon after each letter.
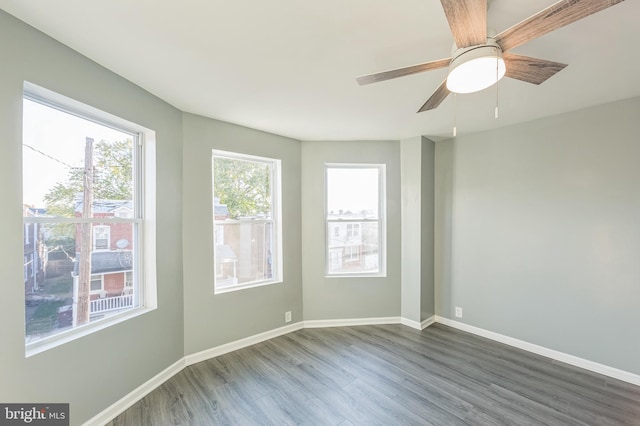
x: 59, y: 135
x: 353, y: 189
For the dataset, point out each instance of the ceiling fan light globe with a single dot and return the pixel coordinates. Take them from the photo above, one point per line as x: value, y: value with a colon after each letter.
x: 475, y: 70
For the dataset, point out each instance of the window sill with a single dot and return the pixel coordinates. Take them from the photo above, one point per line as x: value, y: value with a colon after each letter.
x: 51, y: 342
x: 237, y: 287
x: 357, y: 275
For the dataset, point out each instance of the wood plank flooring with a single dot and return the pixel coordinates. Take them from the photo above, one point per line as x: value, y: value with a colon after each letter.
x: 385, y: 375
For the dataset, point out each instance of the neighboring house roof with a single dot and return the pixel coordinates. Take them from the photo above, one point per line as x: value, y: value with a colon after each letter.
x: 349, y: 215
x: 103, y: 262
x: 219, y: 210
x: 225, y: 254
x: 34, y: 211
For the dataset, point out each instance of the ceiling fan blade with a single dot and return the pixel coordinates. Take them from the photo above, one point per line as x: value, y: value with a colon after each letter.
x: 468, y: 21
x: 550, y: 19
x: 436, y: 99
x: 401, y: 72
x: 531, y: 70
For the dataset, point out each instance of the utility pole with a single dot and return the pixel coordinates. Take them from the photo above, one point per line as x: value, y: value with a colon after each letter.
x: 84, y: 272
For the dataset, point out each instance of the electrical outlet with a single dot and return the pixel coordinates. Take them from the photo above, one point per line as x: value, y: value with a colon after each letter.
x: 458, y: 312
x: 287, y: 316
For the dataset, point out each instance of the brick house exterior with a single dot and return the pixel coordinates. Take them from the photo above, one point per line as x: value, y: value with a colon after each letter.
x: 111, y: 250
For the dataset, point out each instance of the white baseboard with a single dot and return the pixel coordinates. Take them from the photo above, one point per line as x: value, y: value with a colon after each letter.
x: 418, y: 325
x: 239, y: 344
x: 108, y: 414
x: 134, y: 396
x: 351, y: 322
x: 411, y: 323
x: 595, y: 367
x: 370, y: 321
x: 429, y: 321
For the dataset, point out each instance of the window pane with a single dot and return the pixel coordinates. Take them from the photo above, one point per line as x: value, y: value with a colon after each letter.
x: 353, y: 193
x: 53, y: 274
x: 243, y: 187
x: 244, y: 252
x: 57, y: 147
x: 353, y: 251
x: 245, y: 237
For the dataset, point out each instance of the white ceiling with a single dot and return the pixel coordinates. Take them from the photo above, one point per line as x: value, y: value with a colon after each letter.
x: 289, y: 66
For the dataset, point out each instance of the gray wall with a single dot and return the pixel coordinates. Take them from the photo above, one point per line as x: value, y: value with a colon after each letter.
x: 211, y: 320
x: 411, y: 228
x: 345, y: 298
x: 544, y: 232
x: 94, y: 371
x: 427, y: 274
x: 444, y: 171
x: 417, y: 188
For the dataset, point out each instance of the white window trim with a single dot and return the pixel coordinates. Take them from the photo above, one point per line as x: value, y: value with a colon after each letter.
x: 382, y: 222
x: 276, y: 219
x: 146, y: 296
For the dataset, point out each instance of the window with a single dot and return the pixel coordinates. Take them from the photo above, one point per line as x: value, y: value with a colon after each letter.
x: 81, y: 169
x: 352, y: 253
x: 128, y: 280
x: 97, y: 284
x: 247, y: 224
x: 353, y: 230
x: 355, y: 219
x: 101, y: 237
x: 124, y: 213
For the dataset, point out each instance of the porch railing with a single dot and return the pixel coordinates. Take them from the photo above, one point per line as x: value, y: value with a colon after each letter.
x: 111, y: 304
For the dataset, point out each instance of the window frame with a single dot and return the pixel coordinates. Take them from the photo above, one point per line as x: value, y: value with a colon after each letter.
x: 381, y: 220
x: 144, y: 239
x: 276, y: 220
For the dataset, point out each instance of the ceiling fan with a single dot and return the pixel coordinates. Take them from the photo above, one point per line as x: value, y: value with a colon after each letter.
x: 480, y: 61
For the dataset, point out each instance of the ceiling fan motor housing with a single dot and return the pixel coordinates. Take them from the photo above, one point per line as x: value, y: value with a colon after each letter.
x: 475, y: 68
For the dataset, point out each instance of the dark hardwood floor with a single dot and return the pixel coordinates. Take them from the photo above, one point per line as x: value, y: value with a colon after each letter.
x: 385, y: 375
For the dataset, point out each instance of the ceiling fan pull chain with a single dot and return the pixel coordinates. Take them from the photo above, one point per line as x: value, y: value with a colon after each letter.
x: 455, y: 112
x: 497, y: 83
